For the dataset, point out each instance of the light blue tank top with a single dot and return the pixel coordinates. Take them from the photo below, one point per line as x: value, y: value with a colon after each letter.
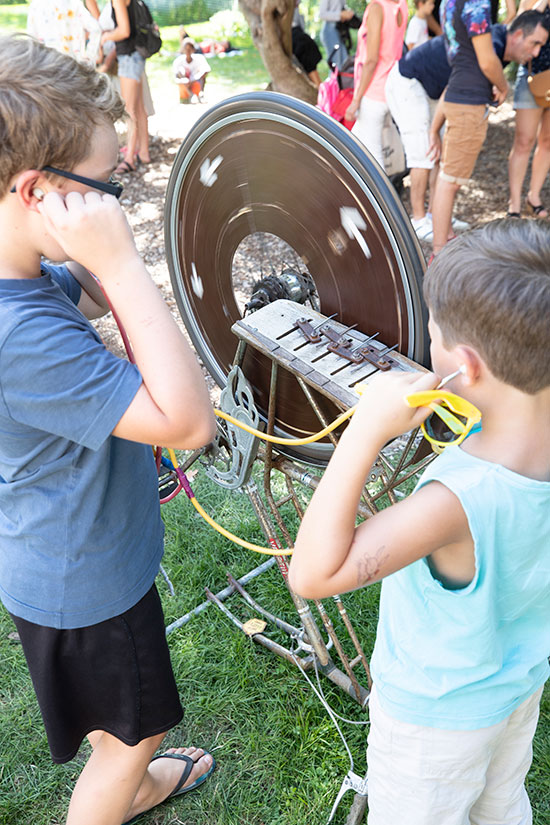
x: 465, y: 659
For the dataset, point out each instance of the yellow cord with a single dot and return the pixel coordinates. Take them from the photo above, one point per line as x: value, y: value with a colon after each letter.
x: 268, y: 551
x: 290, y: 441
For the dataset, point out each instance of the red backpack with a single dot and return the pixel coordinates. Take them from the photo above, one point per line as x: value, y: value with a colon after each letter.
x: 333, y: 100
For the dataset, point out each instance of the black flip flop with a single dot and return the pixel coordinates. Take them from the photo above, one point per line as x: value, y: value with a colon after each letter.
x: 124, y: 168
x: 178, y: 790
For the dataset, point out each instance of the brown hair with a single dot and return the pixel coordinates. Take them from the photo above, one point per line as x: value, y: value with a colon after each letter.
x: 490, y: 289
x: 47, y: 102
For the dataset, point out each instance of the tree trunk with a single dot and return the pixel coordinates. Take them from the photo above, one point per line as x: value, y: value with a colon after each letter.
x: 270, y: 23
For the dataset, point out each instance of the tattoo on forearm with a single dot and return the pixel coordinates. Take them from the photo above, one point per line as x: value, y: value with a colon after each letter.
x: 369, y: 567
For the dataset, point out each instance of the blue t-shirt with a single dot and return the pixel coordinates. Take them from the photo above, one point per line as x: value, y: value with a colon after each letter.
x: 461, y: 21
x: 466, y: 659
x: 429, y: 65
x: 80, y: 529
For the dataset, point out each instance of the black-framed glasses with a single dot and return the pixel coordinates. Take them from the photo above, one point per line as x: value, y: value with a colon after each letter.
x: 113, y: 187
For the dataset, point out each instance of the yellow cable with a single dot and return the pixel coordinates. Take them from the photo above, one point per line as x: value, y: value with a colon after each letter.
x: 275, y: 440
x: 268, y: 551
x: 290, y: 441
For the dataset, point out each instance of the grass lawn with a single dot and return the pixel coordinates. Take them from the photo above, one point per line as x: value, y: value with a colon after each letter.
x: 280, y: 758
x: 229, y: 75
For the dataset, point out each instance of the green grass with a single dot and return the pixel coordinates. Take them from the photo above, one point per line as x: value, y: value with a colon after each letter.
x: 13, y: 18
x: 228, y: 76
x: 280, y: 760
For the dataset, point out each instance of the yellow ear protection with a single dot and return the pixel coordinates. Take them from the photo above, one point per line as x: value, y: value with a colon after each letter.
x: 451, y: 420
x: 38, y: 193
x: 452, y: 417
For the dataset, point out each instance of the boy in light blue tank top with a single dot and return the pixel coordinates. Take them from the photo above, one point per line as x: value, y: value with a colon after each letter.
x: 461, y: 653
x: 80, y: 529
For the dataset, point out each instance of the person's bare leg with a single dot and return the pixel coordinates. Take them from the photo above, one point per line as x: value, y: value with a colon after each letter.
x: 185, y: 94
x: 142, y: 122
x: 527, y: 123
x: 130, y: 89
x: 419, y: 185
x: 163, y: 775
x: 541, y: 163
x: 315, y: 77
x: 432, y: 182
x: 118, y: 781
x: 444, y: 198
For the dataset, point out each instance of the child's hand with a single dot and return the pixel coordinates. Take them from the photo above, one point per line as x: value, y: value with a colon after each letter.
x: 383, y: 411
x: 91, y: 229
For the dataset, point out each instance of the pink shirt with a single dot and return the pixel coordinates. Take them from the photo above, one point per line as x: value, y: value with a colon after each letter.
x: 391, y: 45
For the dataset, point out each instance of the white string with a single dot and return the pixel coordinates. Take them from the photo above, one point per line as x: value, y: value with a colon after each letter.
x: 332, y: 714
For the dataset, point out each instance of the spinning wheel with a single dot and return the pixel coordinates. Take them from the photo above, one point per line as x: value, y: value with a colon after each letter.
x: 267, y: 163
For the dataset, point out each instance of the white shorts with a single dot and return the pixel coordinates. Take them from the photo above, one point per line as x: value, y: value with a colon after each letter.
x: 412, y: 110
x: 423, y: 776
x: 369, y: 124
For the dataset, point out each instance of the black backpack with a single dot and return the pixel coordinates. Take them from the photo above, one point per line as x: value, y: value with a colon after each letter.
x: 147, y: 38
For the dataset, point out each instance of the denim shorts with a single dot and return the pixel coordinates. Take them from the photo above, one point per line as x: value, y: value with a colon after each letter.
x: 523, y: 99
x: 131, y: 66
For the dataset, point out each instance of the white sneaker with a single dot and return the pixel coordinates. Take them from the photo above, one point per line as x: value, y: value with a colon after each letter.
x: 457, y: 224
x: 460, y: 226
x: 423, y: 228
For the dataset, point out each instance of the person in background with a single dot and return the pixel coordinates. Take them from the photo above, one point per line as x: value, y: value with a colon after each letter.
x: 415, y: 84
x: 417, y: 30
x: 66, y: 25
x: 379, y: 46
x: 331, y: 12
x: 532, y: 125
x: 131, y: 66
x: 304, y: 47
x: 474, y: 66
x: 477, y: 79
x: 108, y: 63
x: 190, y: 71
x: 495, y: 7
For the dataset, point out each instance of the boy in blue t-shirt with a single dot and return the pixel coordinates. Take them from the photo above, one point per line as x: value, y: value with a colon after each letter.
x: 80, y: 528
x: 461, y: 653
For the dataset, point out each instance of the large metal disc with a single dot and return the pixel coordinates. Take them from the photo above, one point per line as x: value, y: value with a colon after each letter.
x: 267, y: 163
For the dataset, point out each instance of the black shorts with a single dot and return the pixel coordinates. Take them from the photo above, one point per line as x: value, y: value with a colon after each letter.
x: 114, y: 676
x: 305, y: 49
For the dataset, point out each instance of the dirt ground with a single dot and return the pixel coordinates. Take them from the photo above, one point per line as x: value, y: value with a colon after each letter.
x: 143, y: 199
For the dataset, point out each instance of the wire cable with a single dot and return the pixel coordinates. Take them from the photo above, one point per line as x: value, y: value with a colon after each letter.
x: 274, y: 439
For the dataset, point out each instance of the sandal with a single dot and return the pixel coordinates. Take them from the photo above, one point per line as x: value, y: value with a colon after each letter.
x: 513, y: 215
x: 124, y: 168
x: 178, y: 790
x: 536, y: 210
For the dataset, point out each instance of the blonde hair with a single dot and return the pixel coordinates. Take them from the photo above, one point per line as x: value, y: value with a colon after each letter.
x: 490, y: 289
x: 47, y: 102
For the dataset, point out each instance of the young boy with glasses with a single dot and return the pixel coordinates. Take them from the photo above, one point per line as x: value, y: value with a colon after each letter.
x: 81, y: 536
x: 461, y: 654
